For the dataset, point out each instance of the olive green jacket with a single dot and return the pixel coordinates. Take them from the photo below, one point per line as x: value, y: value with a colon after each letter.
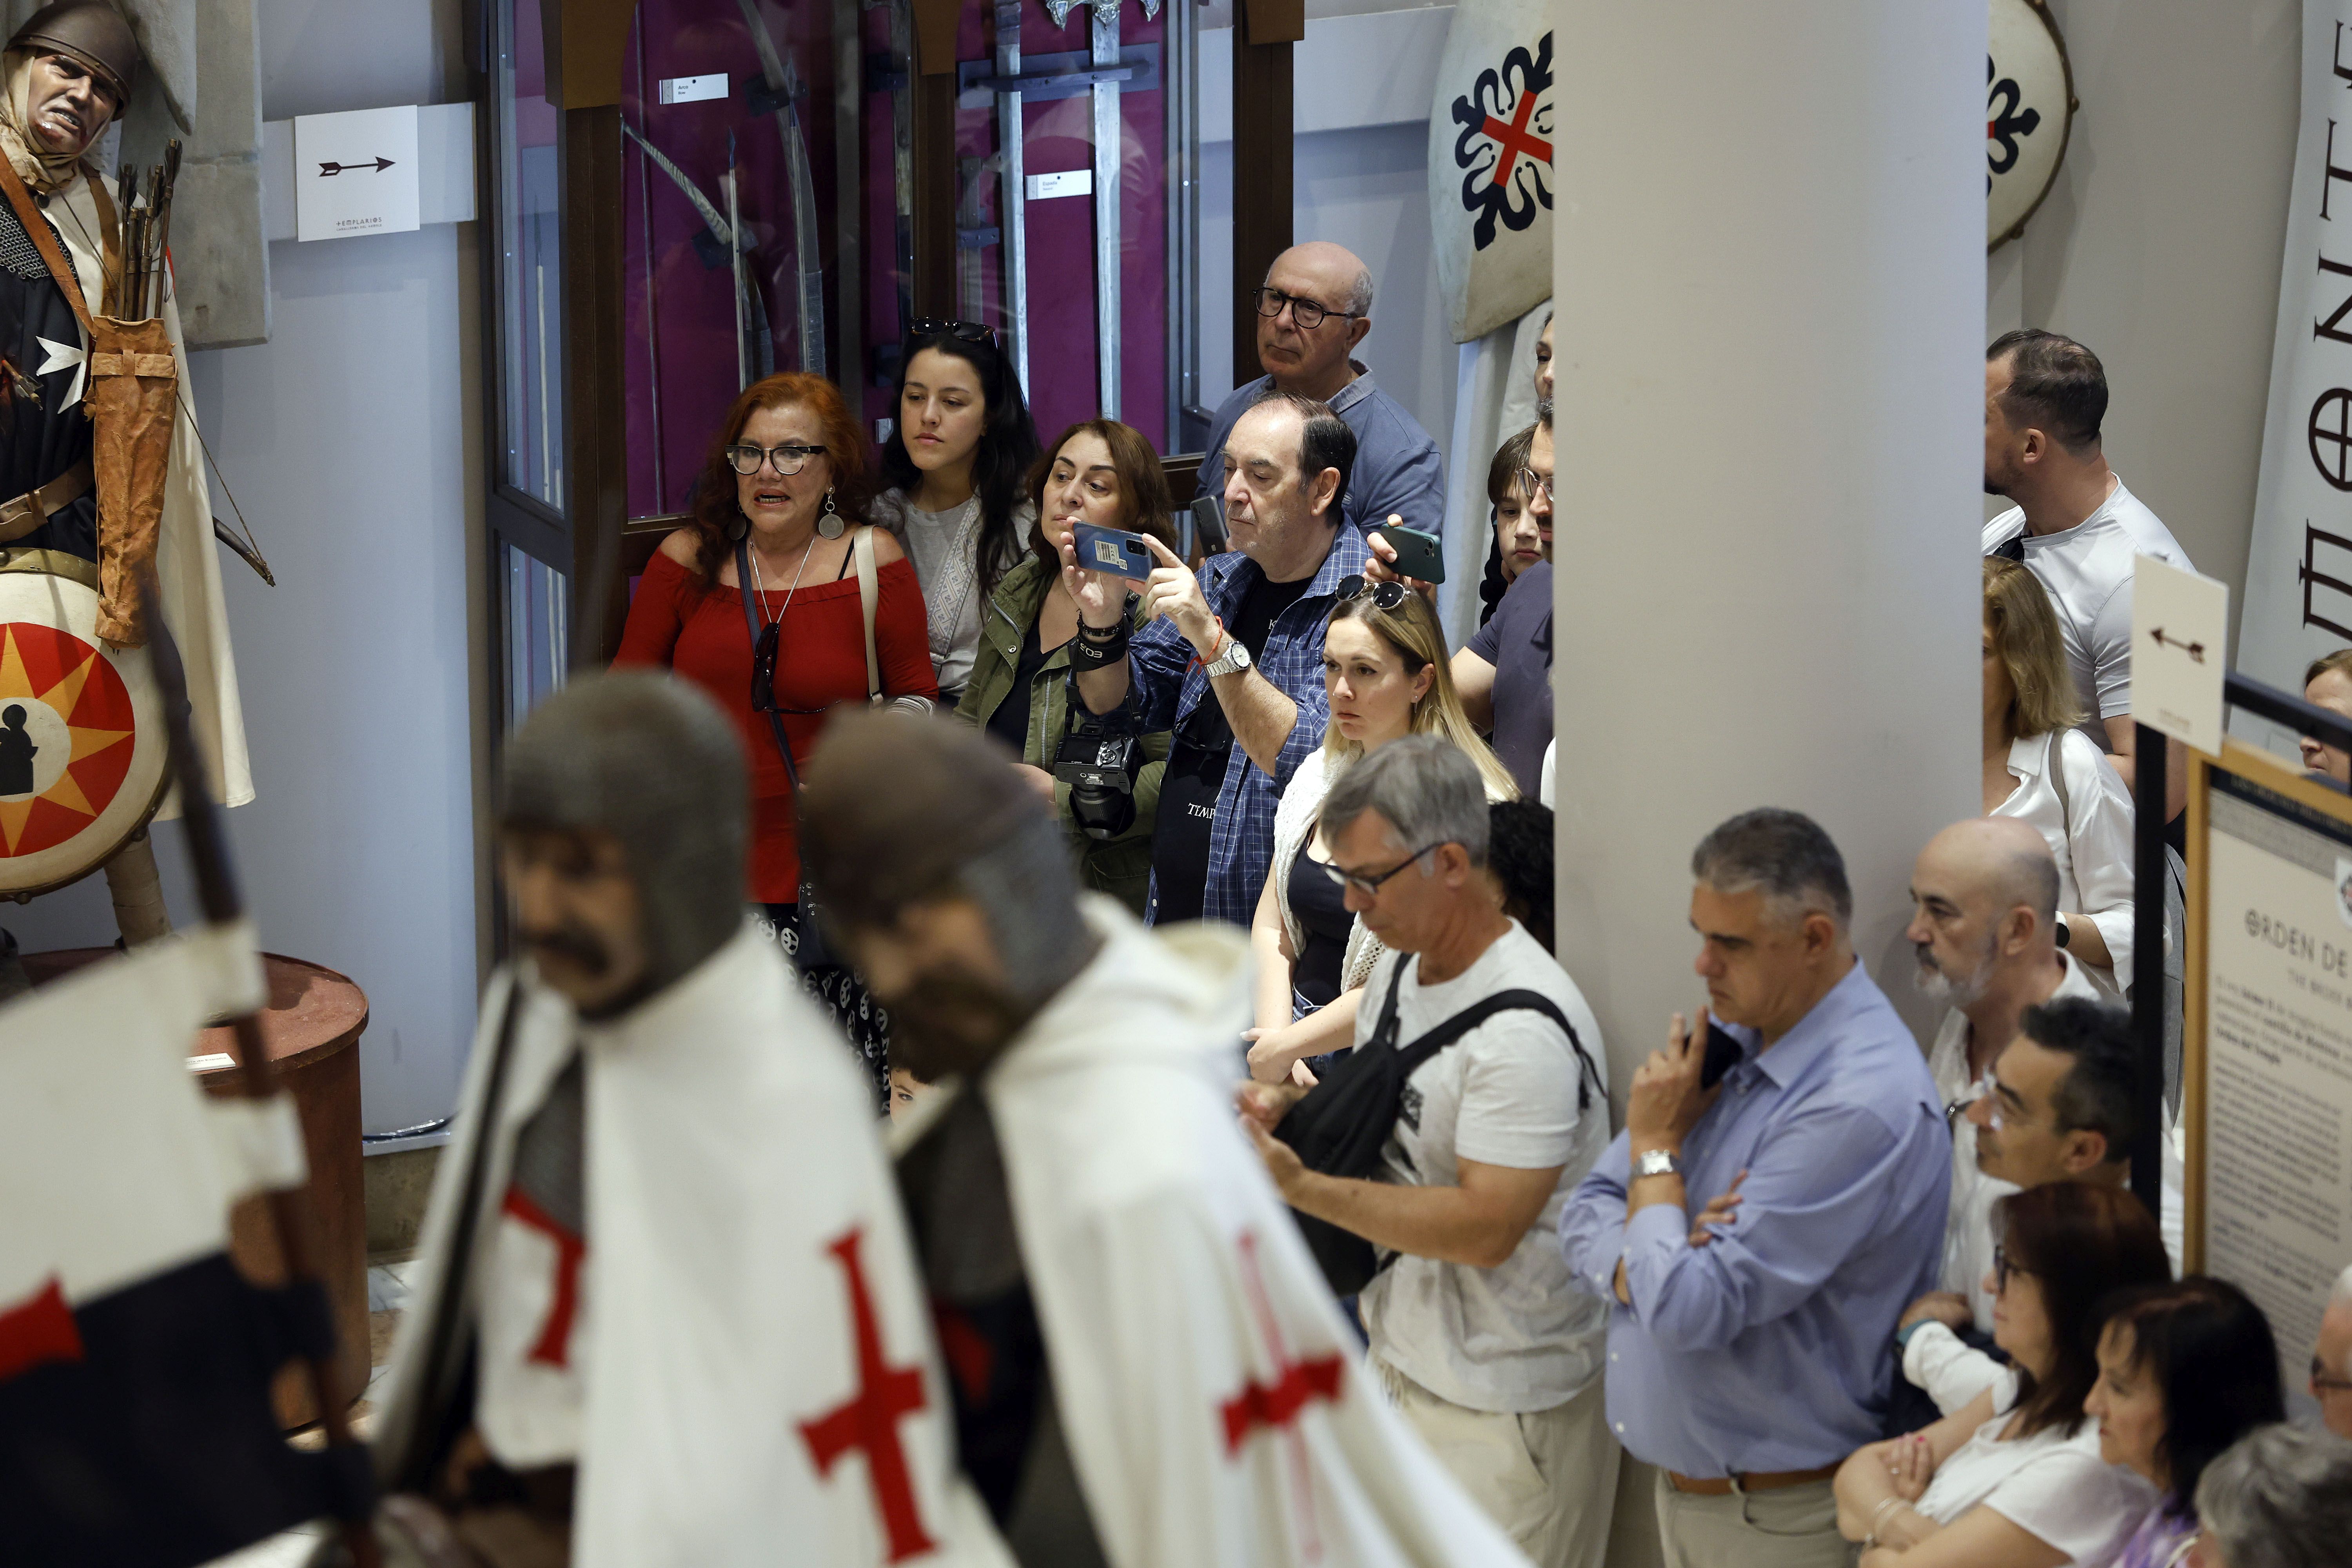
x: 1122, y: 865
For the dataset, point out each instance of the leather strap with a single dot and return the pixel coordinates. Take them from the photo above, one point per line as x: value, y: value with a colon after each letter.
x: 1752, y: 1481
x: 110, y: 239
x: 861, y: 550
x: 30, y: 510
x: 36, y: 229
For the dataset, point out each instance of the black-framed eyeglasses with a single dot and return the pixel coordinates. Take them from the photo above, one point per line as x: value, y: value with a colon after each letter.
x: 1371, y: 885
x: 2323, y: 1383
x: 1384, y: 595
x: 2002, y: 1268
x: 788, y: 458
x: 963, y: 331
x: 1306, y: 312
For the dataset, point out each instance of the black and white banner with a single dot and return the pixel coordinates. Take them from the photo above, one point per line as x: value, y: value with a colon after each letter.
x: 2298, y: 601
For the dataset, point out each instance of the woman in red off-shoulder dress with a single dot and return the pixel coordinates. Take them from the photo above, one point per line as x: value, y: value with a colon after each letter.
x: 787, y: 477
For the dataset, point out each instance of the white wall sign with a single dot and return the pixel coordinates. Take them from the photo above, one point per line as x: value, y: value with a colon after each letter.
x: 693, y: 89
x: 355, y: 173
x: 2181, y: 624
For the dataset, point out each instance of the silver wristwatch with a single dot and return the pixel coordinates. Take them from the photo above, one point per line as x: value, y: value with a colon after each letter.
x: 1234, y: 658
x: 1656, y: 1162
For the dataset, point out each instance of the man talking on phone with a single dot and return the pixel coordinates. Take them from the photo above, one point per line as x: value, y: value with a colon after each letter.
x: 1749, y: 1349
x: 1230, y: 659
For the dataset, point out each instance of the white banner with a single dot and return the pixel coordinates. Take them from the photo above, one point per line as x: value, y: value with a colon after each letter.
x: 1490, y: 165
x: 2299, y: 566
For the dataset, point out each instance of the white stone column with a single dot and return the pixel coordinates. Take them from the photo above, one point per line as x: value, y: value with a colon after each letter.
x: 1768, y: 410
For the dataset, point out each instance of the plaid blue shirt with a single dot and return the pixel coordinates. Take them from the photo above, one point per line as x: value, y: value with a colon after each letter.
x: 1165, y: 683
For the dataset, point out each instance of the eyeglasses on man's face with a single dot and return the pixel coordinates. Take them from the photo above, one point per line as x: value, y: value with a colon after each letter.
x: 1535, y: 486
x: 788, y: 458
x: 1306, y: 312
x: 1368, y: 883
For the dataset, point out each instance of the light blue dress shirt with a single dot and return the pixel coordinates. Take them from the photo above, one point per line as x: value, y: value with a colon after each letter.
x: 1771, y: 1349
x: 1398, y: 468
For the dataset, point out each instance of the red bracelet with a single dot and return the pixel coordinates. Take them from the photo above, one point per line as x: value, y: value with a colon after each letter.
x: 1215, y: 654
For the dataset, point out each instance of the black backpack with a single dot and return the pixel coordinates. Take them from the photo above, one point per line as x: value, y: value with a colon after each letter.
x: 1345, y: 1121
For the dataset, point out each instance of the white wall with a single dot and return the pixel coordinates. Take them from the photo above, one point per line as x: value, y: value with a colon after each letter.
x: 351, y: 441
x: 2159, y: 247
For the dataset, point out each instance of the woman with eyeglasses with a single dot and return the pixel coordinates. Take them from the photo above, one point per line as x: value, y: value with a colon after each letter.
x: 782, y: 502
x: 1104, y: 473
x: 1386, y: 675
x: 2185, y: 1371
x: 2028, y: 1486
x: 955, y: 469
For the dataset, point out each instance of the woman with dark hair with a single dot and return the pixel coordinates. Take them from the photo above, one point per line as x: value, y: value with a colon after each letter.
x: 1105, y: 473
x: 1520, y: 862
x: 2185, y: 1371
x: 2028, y: 1487
x: 954, y: 468
x: 784, y: 493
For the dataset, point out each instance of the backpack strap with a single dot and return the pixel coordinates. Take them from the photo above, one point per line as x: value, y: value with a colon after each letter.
x: 1410, y: 1057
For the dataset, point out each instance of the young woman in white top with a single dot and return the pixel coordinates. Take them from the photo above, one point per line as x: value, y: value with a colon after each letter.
x: 954, y: 471
x: 2025, y: 1487
x: 2039, y: 767
x: 1385, y: 673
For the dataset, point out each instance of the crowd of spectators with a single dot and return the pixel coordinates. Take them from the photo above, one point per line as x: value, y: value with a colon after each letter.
x: 1853, y: 1300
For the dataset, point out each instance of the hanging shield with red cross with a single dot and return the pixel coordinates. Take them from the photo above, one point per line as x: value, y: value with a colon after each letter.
x: 1490, y: 164
x: 82, y: 732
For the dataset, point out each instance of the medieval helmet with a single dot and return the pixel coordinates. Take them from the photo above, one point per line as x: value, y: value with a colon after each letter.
x: 91, y: 32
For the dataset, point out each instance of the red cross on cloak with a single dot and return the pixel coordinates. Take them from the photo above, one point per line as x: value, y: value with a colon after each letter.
x: 1278, y: 1404
x: 1515, y: 137
x: 554, y: 1345
x: 870, y: 1421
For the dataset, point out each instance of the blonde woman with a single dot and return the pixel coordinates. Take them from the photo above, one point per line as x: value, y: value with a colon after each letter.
x: 1385, y: 671
x: 2040, y: 768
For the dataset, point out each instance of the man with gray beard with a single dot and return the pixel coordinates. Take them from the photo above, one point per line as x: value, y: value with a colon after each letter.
x: 1984, y: 923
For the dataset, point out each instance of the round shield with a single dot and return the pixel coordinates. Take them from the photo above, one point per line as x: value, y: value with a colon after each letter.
x: 82, y: 748
x: 2029, y: 108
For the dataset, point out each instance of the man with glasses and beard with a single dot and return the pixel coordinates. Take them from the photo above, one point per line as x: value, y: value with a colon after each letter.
x: 1147, y: 1365
x: 1984, y: 899
x: 667, y: 1290
x: 1313, y: 308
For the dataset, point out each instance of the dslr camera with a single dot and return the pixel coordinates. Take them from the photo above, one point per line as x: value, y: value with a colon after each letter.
x: 1099, y: 764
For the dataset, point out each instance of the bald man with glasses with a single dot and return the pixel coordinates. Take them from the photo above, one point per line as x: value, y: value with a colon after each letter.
x: 1313, y: 308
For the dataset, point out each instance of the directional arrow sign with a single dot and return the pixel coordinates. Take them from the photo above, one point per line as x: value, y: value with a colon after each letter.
x: 380, y: 144
x: 2176, y: 617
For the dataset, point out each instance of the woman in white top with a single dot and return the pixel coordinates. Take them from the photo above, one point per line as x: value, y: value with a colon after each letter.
x: 1385, y: 673
x: 2028, y: 1487
x: 955, y: 469
x: 2040, y: 768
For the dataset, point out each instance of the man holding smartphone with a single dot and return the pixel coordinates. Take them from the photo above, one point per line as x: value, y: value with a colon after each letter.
x: 1231, y: 658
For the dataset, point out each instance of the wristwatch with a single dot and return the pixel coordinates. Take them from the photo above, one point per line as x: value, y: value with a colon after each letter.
x: 2062, y: 935
x: 1234, y: 658
x: 1656, y: 1162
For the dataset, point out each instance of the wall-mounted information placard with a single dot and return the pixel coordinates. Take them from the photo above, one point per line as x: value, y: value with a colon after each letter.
x: 2268, y: 1037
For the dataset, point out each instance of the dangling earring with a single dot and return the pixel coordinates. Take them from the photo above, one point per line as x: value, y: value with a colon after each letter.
x: 831, y: 523
x: 740, y: 526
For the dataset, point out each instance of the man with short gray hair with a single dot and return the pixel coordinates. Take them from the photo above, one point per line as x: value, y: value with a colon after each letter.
x: 2281, y: 1497
x: 1474, y: 1332
x: 2331, y: 1359
x: 1751, y: 1346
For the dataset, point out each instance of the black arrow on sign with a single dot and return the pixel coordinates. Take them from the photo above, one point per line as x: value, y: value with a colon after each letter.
x: 380, y: 166
x: 2195, y: 650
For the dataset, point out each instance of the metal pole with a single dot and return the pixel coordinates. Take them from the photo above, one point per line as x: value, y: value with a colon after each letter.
x: 1109, y: 144
x: 1012, y: 213
x: 2147, y: 966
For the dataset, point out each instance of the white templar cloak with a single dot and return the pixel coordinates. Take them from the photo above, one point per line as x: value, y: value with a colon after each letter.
x: 756, y: 1377
x: 1216, y: 1404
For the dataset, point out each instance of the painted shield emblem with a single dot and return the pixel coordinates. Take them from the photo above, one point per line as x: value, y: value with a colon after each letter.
x: 2029, y: 108
x: 81, y: 737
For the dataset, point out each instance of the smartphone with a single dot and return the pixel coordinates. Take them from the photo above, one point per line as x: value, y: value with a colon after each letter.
x: 1723, y: 1053
x: 1418, y: 555
x: 1109, y: 550
x: 1209, y: 524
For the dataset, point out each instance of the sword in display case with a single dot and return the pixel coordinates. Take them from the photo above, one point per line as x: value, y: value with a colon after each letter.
x: 783, y: 95
x: 1012, y: 209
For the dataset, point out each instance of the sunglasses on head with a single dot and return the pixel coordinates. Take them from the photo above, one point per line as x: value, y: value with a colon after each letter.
x: 1384, y: 595
x: 964, y: 332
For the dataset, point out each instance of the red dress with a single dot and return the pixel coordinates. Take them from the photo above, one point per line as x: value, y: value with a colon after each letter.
x: 820, y: 662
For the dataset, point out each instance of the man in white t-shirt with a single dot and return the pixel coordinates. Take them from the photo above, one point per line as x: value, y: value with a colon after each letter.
x: 2074, y: 525
x: 1984, y: 896
x: 1474, y: 1330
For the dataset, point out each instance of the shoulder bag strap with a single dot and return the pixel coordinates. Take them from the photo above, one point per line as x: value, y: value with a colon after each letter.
x: 1384, y: 1029
x: 2056, y: 760
x: 36, y: 229
x: 861, y: 549
x: 1410, y: 1057
x: 751, y: 627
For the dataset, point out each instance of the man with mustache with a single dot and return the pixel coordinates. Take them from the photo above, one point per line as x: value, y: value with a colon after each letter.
x: 668, y: 1314
x: 1148, y: 1369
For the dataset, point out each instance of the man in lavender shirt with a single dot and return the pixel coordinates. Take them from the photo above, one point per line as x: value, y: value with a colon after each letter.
x: 1749, y: 1349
